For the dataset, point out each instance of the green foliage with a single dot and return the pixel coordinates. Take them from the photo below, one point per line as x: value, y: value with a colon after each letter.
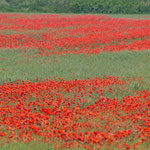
x: 3, y: 4
x: 77, y: 6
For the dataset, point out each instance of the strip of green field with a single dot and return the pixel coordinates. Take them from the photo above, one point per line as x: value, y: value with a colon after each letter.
x: 14, y: 65
x: 131, y: 16
x: 45, y: 146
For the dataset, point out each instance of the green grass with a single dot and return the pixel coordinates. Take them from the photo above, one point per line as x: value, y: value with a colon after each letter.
x: 26, y: 146
x: 130, y: 16
x: 45, y: 146
x: 16, y: 66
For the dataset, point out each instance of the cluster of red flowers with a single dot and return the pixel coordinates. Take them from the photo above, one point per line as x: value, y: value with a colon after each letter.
x: 75, y: 112
x: 56, y: 34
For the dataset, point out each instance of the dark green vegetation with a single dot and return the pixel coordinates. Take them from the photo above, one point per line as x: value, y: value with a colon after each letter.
x: 76, y: 6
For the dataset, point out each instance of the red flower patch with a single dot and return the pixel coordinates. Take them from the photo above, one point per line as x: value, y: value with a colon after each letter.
x: 77, y: 112
x: 87, y: 34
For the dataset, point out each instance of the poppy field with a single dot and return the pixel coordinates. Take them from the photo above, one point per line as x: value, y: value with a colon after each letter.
x: 58, y: 34
x: 74, y: 82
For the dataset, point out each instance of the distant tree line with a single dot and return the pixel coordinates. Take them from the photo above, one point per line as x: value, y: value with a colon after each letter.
x: 76, y: 6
